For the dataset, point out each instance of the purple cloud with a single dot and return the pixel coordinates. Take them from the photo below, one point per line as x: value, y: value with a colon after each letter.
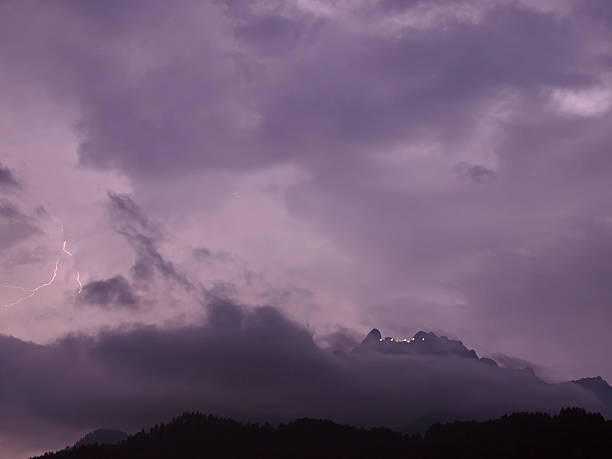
x: 409, y: 165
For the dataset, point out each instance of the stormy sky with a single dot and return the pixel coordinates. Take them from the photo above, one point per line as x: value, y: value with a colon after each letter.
x: 344, y: 164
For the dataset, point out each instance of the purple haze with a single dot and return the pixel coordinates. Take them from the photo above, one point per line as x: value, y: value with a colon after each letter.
x: 407, y: 165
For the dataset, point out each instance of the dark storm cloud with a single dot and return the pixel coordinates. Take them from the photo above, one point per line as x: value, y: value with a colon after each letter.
x: 150, y: 257
x: 475, y: 173
x: 142, y: 270
x: 252, y: 365
x: 10, y: 211
x: 15, y: 226
x: 143, y: 235
x: 8, y: 181
x: 259, y: 87
x: 108, y: 293
x: 125, y: 210
x: 229, y: 100
x: 375, y: 104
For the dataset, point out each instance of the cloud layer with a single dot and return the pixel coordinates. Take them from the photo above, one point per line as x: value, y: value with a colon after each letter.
x: 251, y: 364
x: 437, y: 165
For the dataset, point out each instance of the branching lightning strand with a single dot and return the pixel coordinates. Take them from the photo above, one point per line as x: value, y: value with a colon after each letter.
x: 31, y: 292
x: 65, y: 250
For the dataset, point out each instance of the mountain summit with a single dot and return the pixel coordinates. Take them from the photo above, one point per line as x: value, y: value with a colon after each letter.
x: 373, y: 338
x: 421, y: 343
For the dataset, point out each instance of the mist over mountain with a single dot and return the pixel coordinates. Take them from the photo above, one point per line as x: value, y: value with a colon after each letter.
x: 423, y: 343
x: 256, y: 365
x: 602, y: 391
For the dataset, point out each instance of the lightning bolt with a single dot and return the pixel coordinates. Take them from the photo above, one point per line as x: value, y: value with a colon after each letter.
x: 16, y: 287
x: 65, y: 250
x: 78, y: 275
x: 30, y: 292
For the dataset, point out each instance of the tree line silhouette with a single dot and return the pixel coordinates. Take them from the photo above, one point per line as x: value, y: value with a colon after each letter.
x: 573, y: 433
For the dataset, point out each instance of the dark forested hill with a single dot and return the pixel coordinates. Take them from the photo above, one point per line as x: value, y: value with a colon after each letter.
x: 574, y: 433
x: 102, y: 437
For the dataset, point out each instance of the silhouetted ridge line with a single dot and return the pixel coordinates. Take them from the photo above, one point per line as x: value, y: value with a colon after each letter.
x: 573, y: 433
x: 102, y: 437
x: 422, y: 343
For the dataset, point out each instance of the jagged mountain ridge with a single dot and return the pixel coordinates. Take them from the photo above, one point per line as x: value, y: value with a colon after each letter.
x: 423, y: 343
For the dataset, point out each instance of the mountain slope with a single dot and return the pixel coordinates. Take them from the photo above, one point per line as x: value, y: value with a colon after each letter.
x: 601, y: 389
x: 102, y: 437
